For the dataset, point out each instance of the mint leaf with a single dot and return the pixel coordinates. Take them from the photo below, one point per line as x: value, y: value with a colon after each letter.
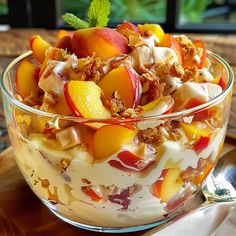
x: 74, y: 21
x: 98, y: 13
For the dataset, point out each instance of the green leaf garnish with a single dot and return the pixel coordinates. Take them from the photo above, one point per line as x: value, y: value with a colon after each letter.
x: 74, y: 21
x: 98, y: 13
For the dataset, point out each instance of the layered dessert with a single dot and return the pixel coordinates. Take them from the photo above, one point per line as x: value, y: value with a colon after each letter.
x: 117, y: 133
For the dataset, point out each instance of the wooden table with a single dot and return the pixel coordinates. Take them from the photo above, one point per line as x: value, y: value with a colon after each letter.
x: 21, y: 213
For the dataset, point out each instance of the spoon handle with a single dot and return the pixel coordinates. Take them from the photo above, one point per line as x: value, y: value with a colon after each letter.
x: 197, y: 202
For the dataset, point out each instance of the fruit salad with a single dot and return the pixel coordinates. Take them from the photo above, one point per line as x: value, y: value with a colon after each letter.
x: 122, y: 125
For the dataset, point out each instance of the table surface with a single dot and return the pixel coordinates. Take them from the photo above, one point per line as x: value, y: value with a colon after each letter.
x: 21, y: 213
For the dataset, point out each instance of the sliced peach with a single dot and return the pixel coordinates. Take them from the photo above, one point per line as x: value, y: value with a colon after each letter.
x: 129, y: 162
x: 38, y: 45
x: 222, y: 84
x: 159, y: 106
x: 201, y: 144
x: 216, y: 79
x: 172, y: 183
x: 61, y: 107
x: 127, y: 25
x: 27, y: 76
x: 156, y: 187
x: 109, y: 139
x: 169, y: 41
x: 155, y: 28
x: 124, y: 80
x: 193, y: 132
x: 65, y: 43
x: 62, y: 33
x: 84, y: 99
x: 104, y: 42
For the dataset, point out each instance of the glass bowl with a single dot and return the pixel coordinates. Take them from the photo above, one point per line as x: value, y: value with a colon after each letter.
x: 116, y: 175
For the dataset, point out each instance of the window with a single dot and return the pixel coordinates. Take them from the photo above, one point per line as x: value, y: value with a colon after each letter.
x: 216, y: 16
x: 207, y: 15
x: 3, y: 11
x: 135, y: 10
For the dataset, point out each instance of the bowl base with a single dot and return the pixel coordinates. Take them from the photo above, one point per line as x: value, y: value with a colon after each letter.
x: 104, y: 229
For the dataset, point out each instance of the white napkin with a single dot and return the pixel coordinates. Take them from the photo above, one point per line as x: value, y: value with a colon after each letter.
x: 217, y: 220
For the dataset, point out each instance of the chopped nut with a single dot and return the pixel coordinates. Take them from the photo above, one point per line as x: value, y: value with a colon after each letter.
x: 150, y: 135
x: 115, y: 104
x: 68, y: 138
x: 135, y: 41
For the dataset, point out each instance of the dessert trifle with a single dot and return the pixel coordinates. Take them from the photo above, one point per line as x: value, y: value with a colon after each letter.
x: 117, y: 128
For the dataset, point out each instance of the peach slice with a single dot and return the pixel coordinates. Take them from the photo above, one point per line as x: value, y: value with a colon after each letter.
x: 159, y: 106
x: 193, y: 132
x: 84, y: 99
x: 126, y: 82
x: 169, y: 41
x: 127, y: 25
x: 65, y: 43
x: 129, y: 162
x: 104, y: 42
x: 155, y: 28
x: 62, y: 33
x: 27, y: 76
x: 109, y: 139
x: 169, y: 186
x: 38, y: 45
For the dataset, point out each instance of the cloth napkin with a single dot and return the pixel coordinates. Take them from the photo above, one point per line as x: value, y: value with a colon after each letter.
x: 216, y: 220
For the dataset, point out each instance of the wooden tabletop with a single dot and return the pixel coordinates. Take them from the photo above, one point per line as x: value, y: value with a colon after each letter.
x: 21, y: 212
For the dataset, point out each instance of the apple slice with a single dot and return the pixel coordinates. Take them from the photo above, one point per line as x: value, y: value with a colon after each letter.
x: 109, y: 139
x: 129, y: 162
x: 27, y: 76
x: 38, y: 45
x: 169, y: 41
x: 169, y: 184
x: 124, y: 80
x: 84, y: 99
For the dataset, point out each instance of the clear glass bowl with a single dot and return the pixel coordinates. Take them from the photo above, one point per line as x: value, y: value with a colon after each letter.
x: 116, y: 175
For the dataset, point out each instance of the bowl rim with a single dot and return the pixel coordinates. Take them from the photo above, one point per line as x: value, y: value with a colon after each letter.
x: 184, y: 113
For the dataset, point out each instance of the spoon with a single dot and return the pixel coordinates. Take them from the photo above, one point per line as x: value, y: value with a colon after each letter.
x: 220, y: 186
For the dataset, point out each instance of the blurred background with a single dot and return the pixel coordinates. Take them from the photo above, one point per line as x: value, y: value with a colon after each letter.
x: 217, y: 16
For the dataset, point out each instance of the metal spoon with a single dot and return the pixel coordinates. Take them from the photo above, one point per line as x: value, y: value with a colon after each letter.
x: 220, y: 186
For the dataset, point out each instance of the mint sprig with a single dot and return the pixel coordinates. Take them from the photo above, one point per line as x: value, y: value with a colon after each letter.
x: 74, y: 21
x: 98, y: 13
